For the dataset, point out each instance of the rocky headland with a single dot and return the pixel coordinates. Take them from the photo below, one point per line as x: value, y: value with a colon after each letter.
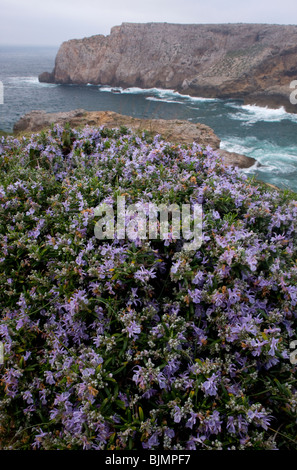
x: 175, y: 131
x: 252, y: 62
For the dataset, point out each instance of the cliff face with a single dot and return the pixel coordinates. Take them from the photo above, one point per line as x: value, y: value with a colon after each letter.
x: 250, y: 61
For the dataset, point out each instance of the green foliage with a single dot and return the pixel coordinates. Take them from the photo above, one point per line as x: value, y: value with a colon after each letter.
x: 131, y: 344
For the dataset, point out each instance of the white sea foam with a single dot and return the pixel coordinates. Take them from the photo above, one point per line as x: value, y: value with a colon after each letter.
x: 153, y: 98
x: 110, y: 89
x: 136, y: 90
x: 181, y: 98
x: 272, y: 158
x: 253, y: 113
x: 155, y: 94
x: 200, y: 99
x: 27, y: 81
x: 237, y: 145
x: 30, y: 80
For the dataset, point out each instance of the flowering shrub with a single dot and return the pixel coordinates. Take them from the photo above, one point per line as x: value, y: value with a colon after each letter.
x: 118, y: 344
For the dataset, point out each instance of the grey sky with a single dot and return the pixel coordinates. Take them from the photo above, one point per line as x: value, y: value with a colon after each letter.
x: 52, y: 22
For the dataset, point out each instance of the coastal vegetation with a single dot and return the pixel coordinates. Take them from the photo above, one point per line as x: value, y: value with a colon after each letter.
x: 139, y: 344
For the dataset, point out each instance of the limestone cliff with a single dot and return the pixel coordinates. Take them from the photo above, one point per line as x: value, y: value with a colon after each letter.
x: 253, y: 62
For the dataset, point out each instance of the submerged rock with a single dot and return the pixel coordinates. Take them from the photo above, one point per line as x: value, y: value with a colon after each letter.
x: 46, y: 77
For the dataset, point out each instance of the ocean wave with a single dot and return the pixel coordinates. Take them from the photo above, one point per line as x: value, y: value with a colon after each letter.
x: 109, y: 89
x: 154, y: 94
x: 25, y: 79
x: 271, y: 158
x: 244, y: 146
x: 17, y: 82
x: 279, y: 163
x: 153, y: 98
x: 199, y: 99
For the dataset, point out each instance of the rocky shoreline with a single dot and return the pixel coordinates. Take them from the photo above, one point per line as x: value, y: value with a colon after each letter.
x: 175, y: 131
x: 252, y: 62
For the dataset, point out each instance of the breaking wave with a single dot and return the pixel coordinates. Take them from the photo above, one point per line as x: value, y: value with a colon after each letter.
x: 253, y: 113
x: 157, y: 94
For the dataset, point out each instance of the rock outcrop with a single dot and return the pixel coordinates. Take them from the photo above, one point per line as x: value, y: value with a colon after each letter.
x: 253, y: 62
x: 175, y: 131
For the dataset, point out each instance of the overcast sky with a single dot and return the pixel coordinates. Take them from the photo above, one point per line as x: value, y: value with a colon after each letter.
x: 37, y: 22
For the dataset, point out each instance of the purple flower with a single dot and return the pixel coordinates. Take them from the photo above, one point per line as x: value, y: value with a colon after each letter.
x: 234, y: 296
x: 144, y: 275
x: 162, y: 380
x: 149, y: 393
x: 228, y: 256
x: 152, y: 442
x: 169, y: 433
x: 42, y: 395
x: 273, y: 346
x: 133, y: 329
x: 27, y: 355
x: 38, y: 439
x: 231, y: 425
x: 242, y: 425
x: 210, y: 386
x: 195, y: 295
x: 177, y: 415
x: 260, y: 418
x: 213, y: 423
x: 27, y: 396
x: 192, y: 420
x: 49, y: 377
x: 199, y: 277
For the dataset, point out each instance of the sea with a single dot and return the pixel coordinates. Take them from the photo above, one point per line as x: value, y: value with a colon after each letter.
x: 268, y: 135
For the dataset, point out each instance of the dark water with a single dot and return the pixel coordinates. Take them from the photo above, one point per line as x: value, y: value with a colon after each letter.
x: 268, y: 135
